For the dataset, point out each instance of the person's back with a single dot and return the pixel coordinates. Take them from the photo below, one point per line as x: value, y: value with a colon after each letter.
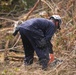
x: 37, y: 23
x: 39, y: 26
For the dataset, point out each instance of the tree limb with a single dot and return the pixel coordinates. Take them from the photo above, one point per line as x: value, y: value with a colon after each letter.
x: 29, y: 13
x: 6, y: 51
x: 48, y: 5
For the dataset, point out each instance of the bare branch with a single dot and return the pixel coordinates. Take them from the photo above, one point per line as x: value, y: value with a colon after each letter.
x: 29, y: 13
x: 48, y: 5
x: 17, y: 41
x: 6, y: 51
x: 2, y: 50
x: 7, y: 19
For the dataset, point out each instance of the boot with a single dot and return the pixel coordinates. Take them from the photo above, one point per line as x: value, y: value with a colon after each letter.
x: 44, y: 63
x: 28, y: 61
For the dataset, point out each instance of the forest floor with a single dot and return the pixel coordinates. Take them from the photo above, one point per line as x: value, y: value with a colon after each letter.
x: 66, y: 65
x: 66, y: 58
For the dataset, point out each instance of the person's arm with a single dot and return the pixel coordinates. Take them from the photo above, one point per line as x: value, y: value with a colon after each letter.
x: 48, y: 35
x: 50, y: 32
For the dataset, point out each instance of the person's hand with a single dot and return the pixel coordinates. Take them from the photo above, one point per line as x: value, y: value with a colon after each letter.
x: 16, y: 31
x: 41, y: 43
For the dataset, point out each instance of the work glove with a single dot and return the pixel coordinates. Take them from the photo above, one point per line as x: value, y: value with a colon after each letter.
x: 51, y: 57
x: 15, y: 31
x: 41, y: 43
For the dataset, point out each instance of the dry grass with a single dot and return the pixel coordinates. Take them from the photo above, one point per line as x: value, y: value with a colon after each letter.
x: 64, y: 45
x: 67, y: 67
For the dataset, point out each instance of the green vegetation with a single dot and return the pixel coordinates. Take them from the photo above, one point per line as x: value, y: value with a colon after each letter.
x: 9, y: 5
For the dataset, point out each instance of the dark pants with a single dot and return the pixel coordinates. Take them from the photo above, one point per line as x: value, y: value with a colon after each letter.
x: 29, y: 44
x: 28, y: 49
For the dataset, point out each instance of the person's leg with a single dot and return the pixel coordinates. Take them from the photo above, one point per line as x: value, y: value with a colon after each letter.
x: 43, y: 55
x: 29, y: 52
x: 28, y: 49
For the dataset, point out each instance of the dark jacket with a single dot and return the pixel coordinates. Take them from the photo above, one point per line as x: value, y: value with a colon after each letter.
x: 41, y: 27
